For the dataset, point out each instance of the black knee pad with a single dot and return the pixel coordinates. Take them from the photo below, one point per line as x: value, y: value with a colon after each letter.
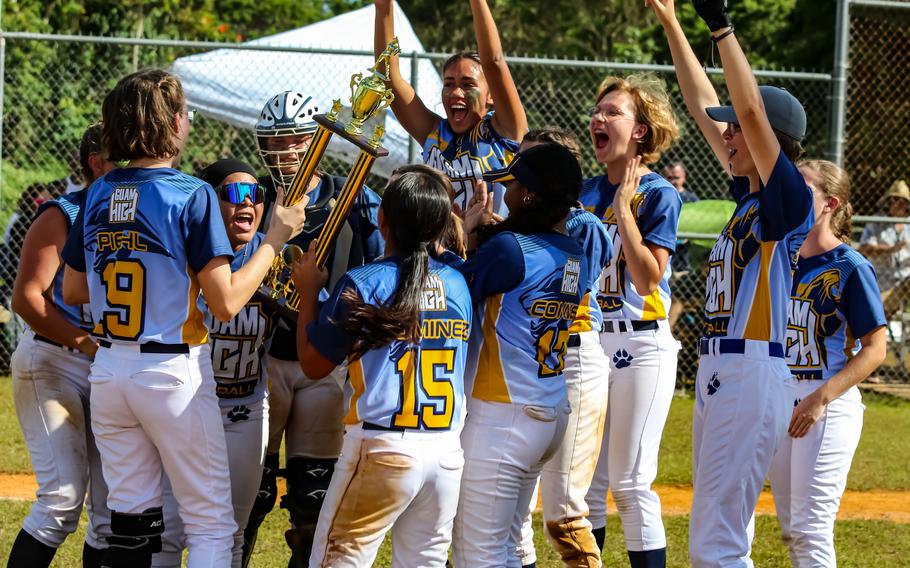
x: 268, y: 492
x: 135, y: 537
x: 308, y: 480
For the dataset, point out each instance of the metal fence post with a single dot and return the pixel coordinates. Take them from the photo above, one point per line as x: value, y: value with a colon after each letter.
x: 839, y: 82
x: 412, y: 144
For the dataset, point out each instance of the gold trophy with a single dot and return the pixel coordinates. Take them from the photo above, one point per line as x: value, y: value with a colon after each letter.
x: 368, y: 97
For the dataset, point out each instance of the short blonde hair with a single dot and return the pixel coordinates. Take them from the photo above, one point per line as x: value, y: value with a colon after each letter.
x: 652, y: 108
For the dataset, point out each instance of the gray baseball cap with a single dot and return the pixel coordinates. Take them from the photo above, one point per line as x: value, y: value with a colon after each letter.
x: 785, y: 113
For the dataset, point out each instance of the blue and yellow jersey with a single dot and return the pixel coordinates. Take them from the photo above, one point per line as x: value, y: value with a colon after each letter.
x: 834, y: 302
x: 750, y: 267
x: 526, y: 290
x: 69, y: 204
x: 595, y: 241
x: 656, y: 207
x: 142, y: 236
x: 238, y: 346
x: 466, y: 157
x: 402, y: 385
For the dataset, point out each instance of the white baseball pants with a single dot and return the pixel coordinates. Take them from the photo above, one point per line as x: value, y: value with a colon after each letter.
x: 809, y: 475
x: 642, y: 380
x: 308, y: 413
x: 506, y: 446
x: 742, y: 407
x: 155, y: 414
x: 404, y: 481
x: 51, y: 393
x: 246, y: 440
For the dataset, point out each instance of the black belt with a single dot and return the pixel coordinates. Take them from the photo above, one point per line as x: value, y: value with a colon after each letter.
x: 154, y: 347
x: 574, y: 340
x: 610, y: 326
x: 737, y: 346
x: 49, y: 341
x: 377, y: 427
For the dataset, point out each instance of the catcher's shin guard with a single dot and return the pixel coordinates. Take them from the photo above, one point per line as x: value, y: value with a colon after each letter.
x: 265, y: 502
x: 135, y: 538
x: 308, y: 480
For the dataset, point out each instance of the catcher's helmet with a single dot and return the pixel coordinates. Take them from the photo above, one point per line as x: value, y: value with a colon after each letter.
x: 287, y: 115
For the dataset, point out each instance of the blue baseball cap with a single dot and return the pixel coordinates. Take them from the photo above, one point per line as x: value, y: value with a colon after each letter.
x: 549, y: 170
x: 785, y: 113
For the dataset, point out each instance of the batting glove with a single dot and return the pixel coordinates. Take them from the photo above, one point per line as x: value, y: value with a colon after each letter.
x: 713, y: 12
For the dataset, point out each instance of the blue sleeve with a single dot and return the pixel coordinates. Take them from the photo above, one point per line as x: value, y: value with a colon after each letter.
x: 862, y: 301
x: 74, y: 250
x: 451, y: 259
x: 658, y: 218
x: 373, y: 243
x: 203, y: 229
x: 591, y: 235
x: 497, y: 267
x: 325, y: 336
x: 786, y: 201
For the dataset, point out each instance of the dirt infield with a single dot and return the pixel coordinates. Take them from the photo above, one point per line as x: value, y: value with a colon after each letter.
x: 891, y: 506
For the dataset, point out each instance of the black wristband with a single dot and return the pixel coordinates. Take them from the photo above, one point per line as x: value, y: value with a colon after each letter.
x: 716, y: 39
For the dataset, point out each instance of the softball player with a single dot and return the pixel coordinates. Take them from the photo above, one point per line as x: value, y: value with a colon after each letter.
x: 526, y: 280
x: 152, y: 238
x: 565, y: 479
x: 307, y: 413
x: 238, y: 348
x: 470, y: 139
x: 401, y: 321
x: 835, y: 308
x: 50, y: 369
x: 631, y: 125
x: 744, y: 389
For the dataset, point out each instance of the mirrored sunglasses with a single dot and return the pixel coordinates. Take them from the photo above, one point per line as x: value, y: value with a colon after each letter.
x: 236, y: 192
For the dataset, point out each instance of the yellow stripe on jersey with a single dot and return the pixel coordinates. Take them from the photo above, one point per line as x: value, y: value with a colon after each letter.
x: 759, y: 325
x: 653, y: 306
x: 355, y: 374
x: 490, y: 382
x: 194, y: 331
x: 583, y: 320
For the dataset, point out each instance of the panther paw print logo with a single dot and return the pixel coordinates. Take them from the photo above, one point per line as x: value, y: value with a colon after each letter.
x: 622, y: 359
x: 238, y: 413
x: 713, y: 384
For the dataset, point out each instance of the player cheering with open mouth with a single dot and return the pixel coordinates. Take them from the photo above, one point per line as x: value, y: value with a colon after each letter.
x: 471, y: 138
x: 744, y: 391
x: 149, y: 238
x: 402, y: 323
x: 835, y: 307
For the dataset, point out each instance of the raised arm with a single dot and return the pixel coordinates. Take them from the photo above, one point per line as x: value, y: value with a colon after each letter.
x: 410, y: 111
x: 697, y: 90
x: 509, y: 120
x: 747, y: 102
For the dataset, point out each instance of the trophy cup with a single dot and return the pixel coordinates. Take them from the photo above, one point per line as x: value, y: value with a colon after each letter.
x: 369, y: 95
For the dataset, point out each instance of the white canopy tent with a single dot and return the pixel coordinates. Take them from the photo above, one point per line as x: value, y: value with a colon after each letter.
x: 232, y: 85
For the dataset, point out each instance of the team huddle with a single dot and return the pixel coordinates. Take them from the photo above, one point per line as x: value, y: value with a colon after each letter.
x: 493, y: 327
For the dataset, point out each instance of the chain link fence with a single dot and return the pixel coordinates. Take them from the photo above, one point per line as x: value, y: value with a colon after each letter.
x: 877, y: 154
x: 53, y: 89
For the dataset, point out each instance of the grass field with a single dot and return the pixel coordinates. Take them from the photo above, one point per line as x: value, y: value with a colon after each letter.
x: 881, y: 463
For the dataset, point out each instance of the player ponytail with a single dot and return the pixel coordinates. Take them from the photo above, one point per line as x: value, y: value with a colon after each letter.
x: 416, y: 209
x: 835, y: 182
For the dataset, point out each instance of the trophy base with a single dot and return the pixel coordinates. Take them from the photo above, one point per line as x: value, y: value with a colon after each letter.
x: 361, y: 141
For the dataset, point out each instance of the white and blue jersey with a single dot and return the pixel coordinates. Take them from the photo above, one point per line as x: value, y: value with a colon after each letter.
x: 69, y: 204
x: 526, y: 290
x: 750, y: 267
x: 142, y: 237
x: 835, y: 301
x: 402, y: 385
x: 238, y: 346
x: 595, y: 241
x: 656, y: 207
x: 464, y: 158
